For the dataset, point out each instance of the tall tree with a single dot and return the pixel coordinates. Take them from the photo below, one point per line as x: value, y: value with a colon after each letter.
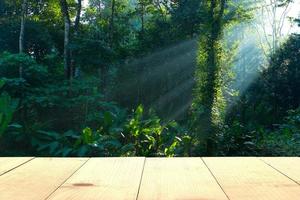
x: 22, y: 30
x: 207, y: 73
x: 76, y: 32
x: 69, y: 62
x: 67, y: 26
x: 112, y: 22
x: 78, y: 14
x: 142, y: 11
x: 272, y: 18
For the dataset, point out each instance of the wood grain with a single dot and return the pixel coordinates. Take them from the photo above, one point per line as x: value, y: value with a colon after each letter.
x: 149, y: 179
x: 251, y: 179
x: 37, y: 179
x: 178, y: 178
x: 103, y: 178
x: 290, y: 166
x: 9, y: 163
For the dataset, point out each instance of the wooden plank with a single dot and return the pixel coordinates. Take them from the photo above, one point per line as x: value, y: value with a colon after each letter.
x: 251, y: 179
x: 38, y: 178
x: 290, y: 166
x: 103, y: 178
x: 9, y: 163
x: 178, y: 178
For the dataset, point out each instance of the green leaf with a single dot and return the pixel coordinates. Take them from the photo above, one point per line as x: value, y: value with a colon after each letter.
x: 108, y: 119
x: 2, y: 83
x: 139, y: 112
x: 15, y: 125
x: 87, y: 135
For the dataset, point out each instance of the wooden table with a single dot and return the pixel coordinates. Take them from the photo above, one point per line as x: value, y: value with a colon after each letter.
x: 231, y: 178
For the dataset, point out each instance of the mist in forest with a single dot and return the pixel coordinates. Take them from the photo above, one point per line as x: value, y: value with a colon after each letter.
x: 162, y: 80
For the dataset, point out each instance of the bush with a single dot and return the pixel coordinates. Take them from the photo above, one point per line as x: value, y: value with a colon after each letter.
x: 285, y: 140
x: 138, y: 136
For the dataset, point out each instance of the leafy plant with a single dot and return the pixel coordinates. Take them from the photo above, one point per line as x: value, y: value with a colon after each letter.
x: 139, y: 136
x: 7, y: 109
x: 151, y: 137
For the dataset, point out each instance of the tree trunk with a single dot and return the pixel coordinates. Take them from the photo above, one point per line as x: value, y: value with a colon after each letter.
x: 76, y: 31
x: 111, y: 26
x: 142, y: 19
x: 23, y: 109
x: 67, y: 24
x: 213, y: 69
x: 208, y: 88
x: 21, y: 36
x: 77, y: 19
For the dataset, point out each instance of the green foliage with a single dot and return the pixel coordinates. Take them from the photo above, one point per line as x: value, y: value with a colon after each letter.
x: 139, y: 136
x: 70, y: 143
x: 80, y: 105
x: 150, y: 137
x: 274, y: 91
x: 209, y: 105
x: 261, y: 123
x: 237, y: 140
x: 284, y: 140
x: 33, y: 74
x: 7, y: 108
x: 144, y: 52
x: 281, y: 140
x: 10, y: 64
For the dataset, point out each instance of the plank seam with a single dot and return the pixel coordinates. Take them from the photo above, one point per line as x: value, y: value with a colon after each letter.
x: 214, y: 178
x: 142, y: 174
x: 279, y: 171
x: 17, y: 166
x: 67, y: 178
